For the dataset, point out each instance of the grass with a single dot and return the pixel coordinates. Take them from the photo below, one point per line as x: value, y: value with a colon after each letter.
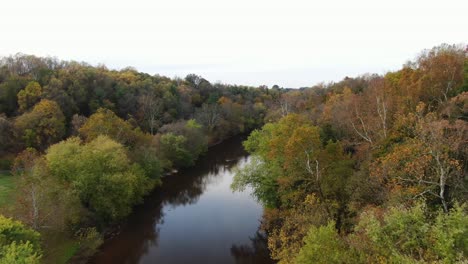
x: 7, y: 186
x: 58, y: 247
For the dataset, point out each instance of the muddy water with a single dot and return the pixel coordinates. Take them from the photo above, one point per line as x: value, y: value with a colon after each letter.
x: 194, y: 218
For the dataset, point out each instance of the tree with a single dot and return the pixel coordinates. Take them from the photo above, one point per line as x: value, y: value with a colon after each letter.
x: 19, y: 253
x: 286, y: 240
x: 209, y: 115
x: 257, y: 175
x: 29, y: 96
x: 298, y: 160
x: 442, y: 72
x: 18, y: 244
x: 42, y: 126
x: 54, y: 91
x: 106, y: 122
x: 152, y: 109
x: 196, y: 143
x: 38, y: 193
x: 426, y: 165
x: 6, y: 133
x: 8, y: 94
x: 464, y: 86
x: 173, y: 149
x: 106, y: 181
x: 76, y: 123
x: 323, y: 245
x: 407, y: 235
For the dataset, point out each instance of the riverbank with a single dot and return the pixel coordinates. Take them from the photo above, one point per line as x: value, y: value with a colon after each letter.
x: 188, y: 213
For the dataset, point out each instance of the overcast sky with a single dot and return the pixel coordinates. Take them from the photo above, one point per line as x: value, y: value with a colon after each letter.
x: 290, y: 43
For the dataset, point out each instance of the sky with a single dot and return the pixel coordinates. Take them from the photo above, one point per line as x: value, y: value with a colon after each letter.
x: 291, y: 43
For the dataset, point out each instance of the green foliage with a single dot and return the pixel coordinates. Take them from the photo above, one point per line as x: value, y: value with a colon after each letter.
x: 174, y: 150
x: 402, y: 231
x: 196, y: 140
x: 150, y: 161
x: 19, y: 253
x: 410, y: 235
x: 29, y: 96
x: 450, y: 234
x: 398, y: 235
x: 323, y: 245
x: 259, y: 176
x: 107, y: 183
x: 293, y: 162
x: 37, y: 193
x: 18, y: 244
x: 11, y: 230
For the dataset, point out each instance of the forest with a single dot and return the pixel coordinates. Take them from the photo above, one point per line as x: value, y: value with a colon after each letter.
x: 370, y: 169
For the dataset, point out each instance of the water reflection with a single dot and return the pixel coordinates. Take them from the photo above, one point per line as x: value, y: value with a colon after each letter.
x: 255, y: 252
x: 194, y: 218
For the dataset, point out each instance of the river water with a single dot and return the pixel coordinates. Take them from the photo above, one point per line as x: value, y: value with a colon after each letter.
x: 194, y: 218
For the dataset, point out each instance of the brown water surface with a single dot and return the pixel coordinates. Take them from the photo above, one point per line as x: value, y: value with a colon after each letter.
x: 194, y: 218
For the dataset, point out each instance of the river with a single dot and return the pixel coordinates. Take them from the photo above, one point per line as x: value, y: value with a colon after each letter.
x: 194, y: 218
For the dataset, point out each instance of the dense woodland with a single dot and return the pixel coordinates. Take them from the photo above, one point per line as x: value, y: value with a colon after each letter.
x: 371, y: 169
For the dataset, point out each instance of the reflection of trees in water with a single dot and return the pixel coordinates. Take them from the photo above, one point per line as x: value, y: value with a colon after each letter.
x: 141, y: 231
x: 179, y: 190
x: 256, y: 252
x: 187, y: 187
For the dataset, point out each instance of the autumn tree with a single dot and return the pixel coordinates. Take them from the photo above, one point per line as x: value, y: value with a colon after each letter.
x: 29, y: 96
x: 285, y: 241
x: 42, y: 126
x: 106, y: 122
x: 426, y: 165
x: 442, y: 72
